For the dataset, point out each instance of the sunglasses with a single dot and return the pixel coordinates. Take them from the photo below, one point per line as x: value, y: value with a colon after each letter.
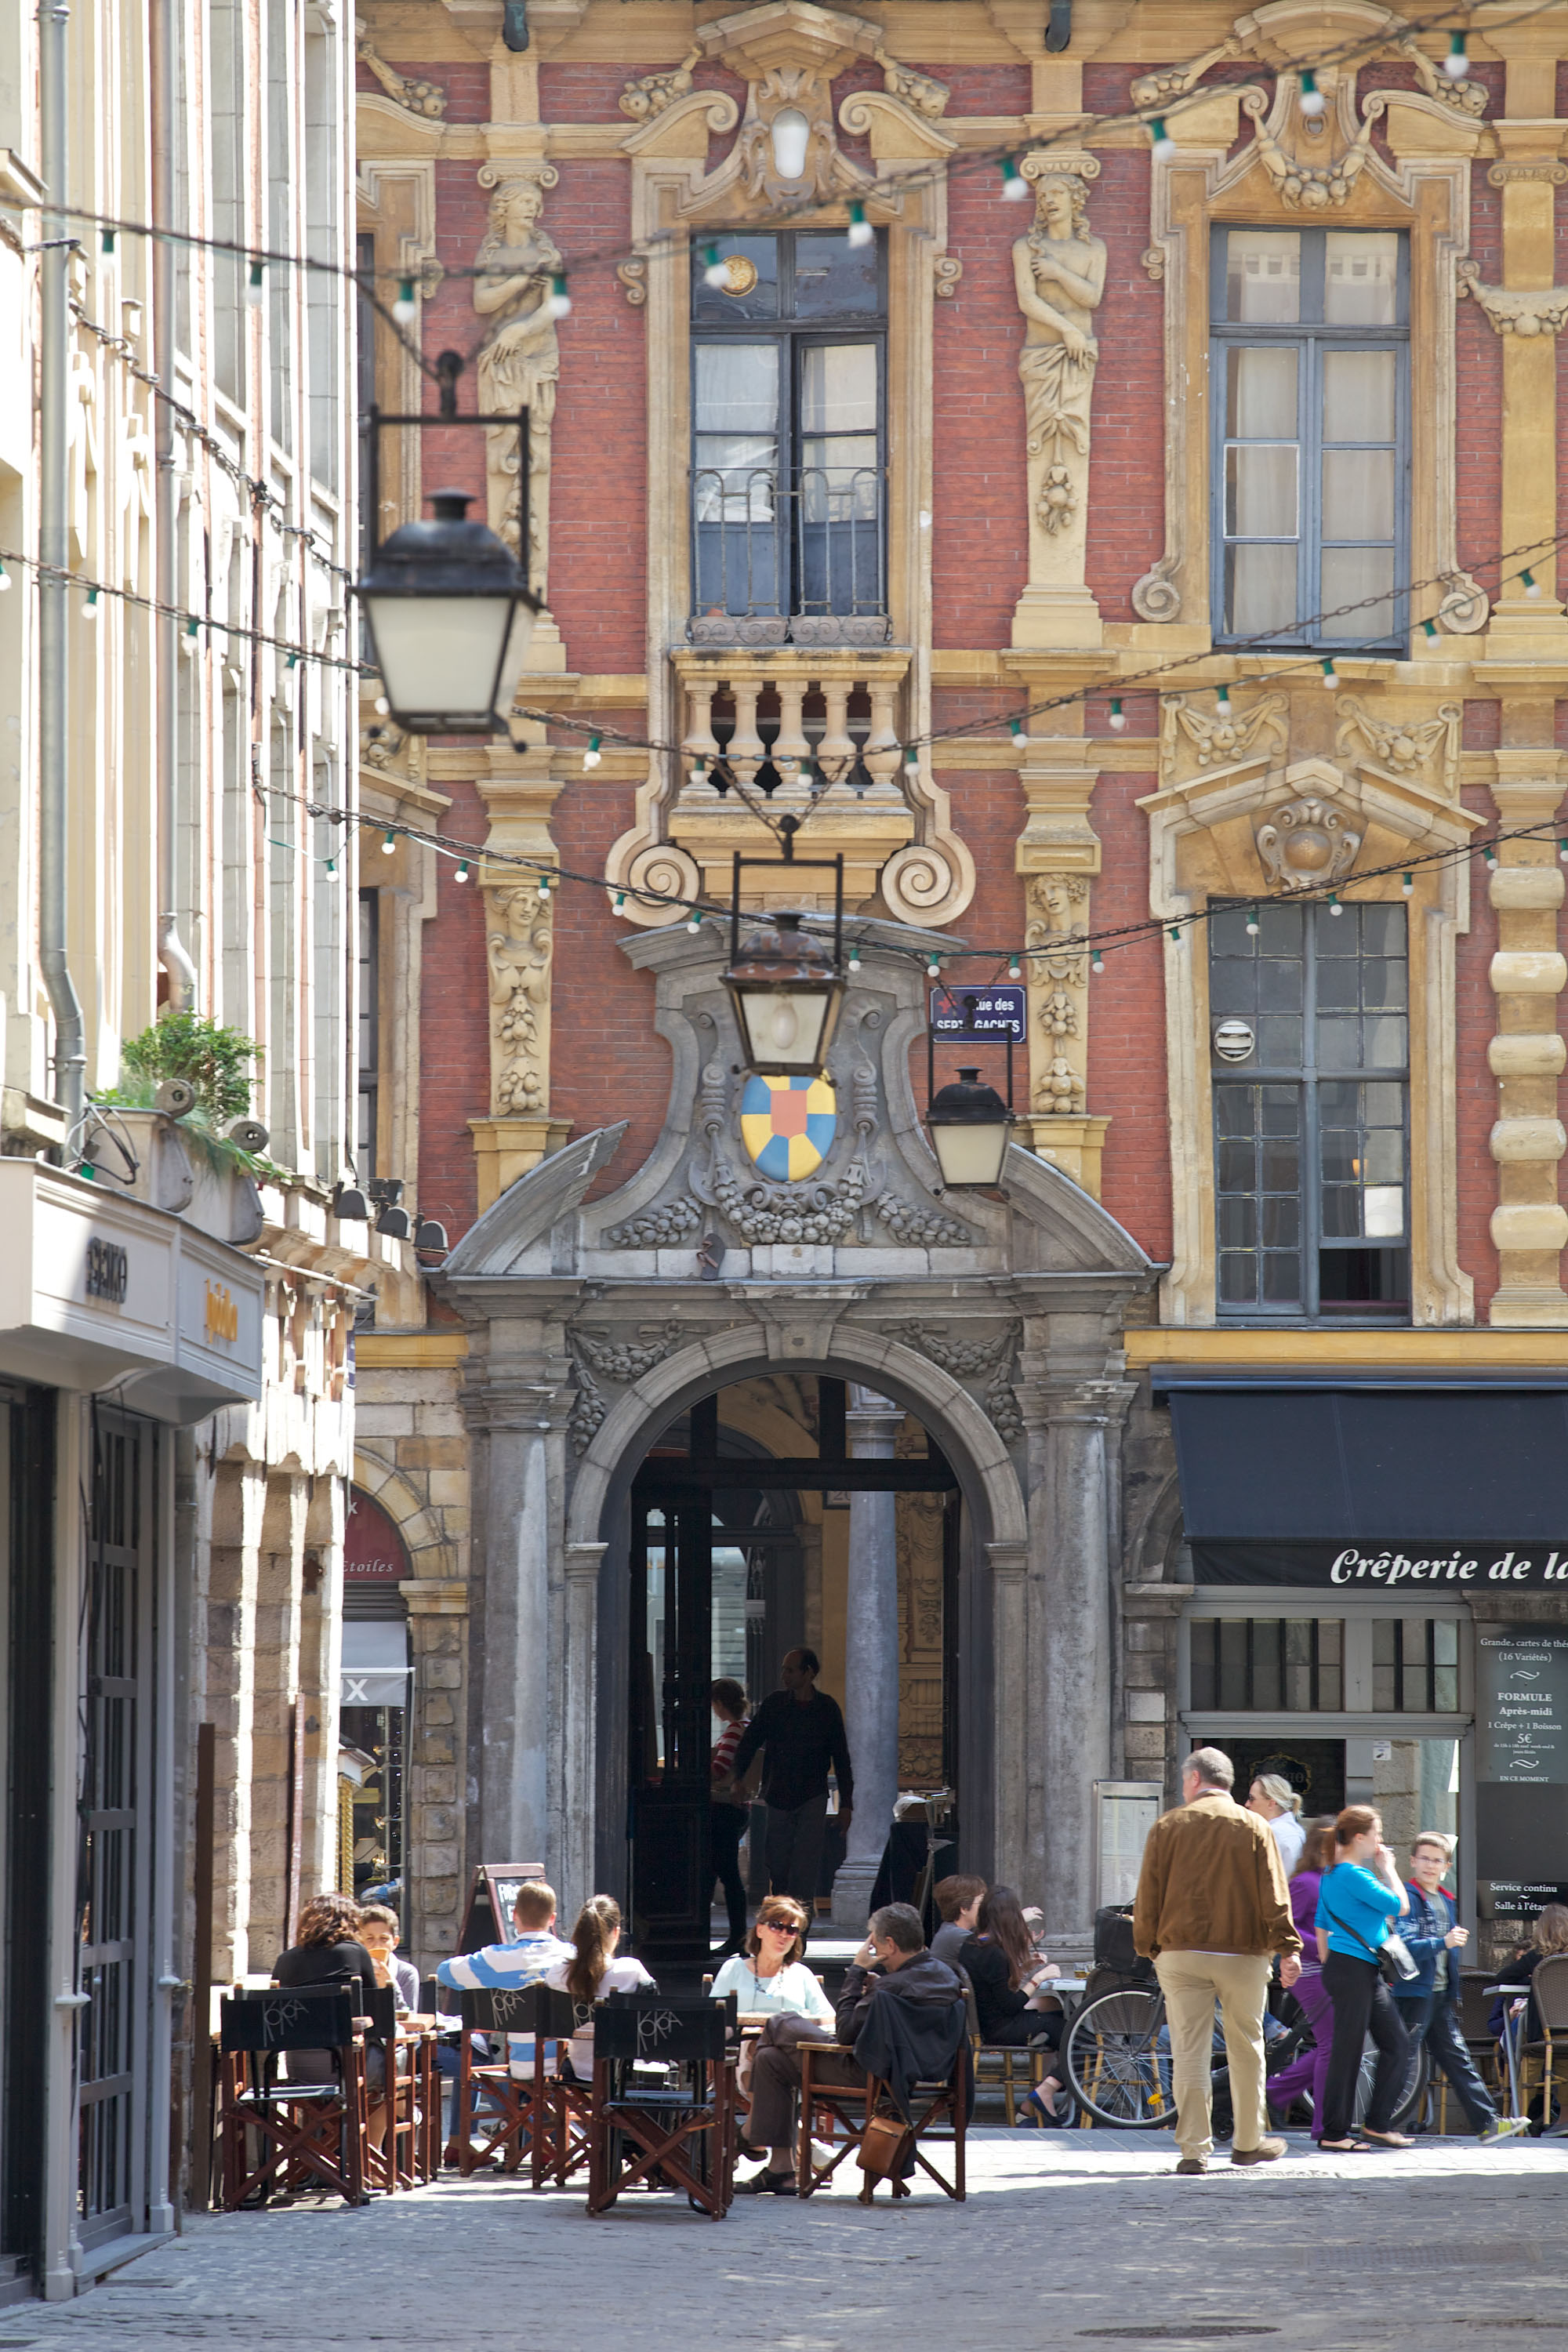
x: 779, y: 1926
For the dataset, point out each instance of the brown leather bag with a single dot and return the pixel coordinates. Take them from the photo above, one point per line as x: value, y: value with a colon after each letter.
x: 884, y: 2147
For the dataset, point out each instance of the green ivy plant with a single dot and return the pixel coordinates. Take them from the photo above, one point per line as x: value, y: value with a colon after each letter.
x: 215, y: 1062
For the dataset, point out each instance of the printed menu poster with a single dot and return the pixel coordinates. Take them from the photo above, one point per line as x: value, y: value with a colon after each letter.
x: 1522, y: 1763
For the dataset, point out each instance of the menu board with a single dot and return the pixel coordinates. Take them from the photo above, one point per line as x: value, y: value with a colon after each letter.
x: 1522, y: 1765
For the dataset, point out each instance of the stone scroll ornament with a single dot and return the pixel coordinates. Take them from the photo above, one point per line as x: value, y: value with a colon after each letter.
x: 613, y: 1360
x: 1059, y: 276
x: 519, y: 358
x: 984, y: 1361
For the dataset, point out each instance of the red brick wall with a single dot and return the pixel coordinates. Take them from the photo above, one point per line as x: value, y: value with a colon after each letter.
x: 598, y: 515
x: 454, y: 1030
x: 980, y: 550
x: 1127, y: 442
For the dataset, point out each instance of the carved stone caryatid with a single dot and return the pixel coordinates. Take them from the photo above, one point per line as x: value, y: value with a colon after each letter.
x: 519, y: 945
x: 1058, y: 278
x: 520, y: 359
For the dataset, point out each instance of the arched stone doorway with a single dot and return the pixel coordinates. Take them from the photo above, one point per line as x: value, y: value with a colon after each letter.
x: 594, y: 1323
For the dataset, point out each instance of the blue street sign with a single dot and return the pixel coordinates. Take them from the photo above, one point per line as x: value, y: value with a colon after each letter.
x: 995, y: 1016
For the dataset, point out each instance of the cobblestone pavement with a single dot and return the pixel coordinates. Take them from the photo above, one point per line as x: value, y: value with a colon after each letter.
x: 1070, y: 2238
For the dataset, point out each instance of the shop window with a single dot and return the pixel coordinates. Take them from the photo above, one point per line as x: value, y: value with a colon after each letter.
x: 1276, y: 1664
x: 787, y: 398
x: 1309, y: 1026
x: 1415, y: 1665
x: 1310, y: 365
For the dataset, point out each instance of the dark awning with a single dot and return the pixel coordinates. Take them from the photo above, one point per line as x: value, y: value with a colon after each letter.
x: 1311, y: 1482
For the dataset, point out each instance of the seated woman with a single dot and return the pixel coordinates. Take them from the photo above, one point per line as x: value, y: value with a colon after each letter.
x: 770, y: 1978
x: 1010, y: 1982
x: 1549, y: 1934
x: 328, y: 1953
x: 590, y: 1974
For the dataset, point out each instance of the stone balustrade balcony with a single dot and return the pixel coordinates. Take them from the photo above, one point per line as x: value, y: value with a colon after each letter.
x: 811, y: 729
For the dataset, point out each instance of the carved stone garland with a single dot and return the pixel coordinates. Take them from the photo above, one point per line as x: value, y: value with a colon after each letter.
x: 987, y: 1362
x: 613, y: 1360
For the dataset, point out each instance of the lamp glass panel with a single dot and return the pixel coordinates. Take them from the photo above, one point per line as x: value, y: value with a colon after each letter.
x: 785, y: 1028
x: 971, y: 1153
x: 440, y: 653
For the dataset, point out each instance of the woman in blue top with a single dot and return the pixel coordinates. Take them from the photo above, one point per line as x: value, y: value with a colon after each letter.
x: 1357, y: 1902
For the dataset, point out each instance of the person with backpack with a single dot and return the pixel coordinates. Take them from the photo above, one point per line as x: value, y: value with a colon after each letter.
x: 1428, y: 2004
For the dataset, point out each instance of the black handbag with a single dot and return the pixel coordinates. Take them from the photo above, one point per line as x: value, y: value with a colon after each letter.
x: 1391, y: 1957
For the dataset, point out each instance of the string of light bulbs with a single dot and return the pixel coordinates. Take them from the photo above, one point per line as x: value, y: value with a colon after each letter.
x: 403, y: 312
x: 600, y: 732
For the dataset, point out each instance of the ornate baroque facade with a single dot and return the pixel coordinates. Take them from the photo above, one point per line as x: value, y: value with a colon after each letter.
x: 1227, y: 458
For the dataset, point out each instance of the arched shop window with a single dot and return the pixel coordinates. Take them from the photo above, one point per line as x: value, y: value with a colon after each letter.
x: 374, y: 1699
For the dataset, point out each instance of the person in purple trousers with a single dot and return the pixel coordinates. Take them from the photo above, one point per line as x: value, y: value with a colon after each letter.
x: 1309, y: 2072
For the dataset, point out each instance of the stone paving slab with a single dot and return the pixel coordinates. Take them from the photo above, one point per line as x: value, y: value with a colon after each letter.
x: 1074, y: 2239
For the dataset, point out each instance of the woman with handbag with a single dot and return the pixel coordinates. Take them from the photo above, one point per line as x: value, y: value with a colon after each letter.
x: 1357, y: 1902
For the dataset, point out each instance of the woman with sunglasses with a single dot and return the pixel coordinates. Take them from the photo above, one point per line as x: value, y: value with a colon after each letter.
x: 770, y: 1978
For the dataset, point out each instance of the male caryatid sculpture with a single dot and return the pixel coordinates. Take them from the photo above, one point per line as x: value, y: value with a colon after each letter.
x: 520, y: 360
x: 1059, y: 273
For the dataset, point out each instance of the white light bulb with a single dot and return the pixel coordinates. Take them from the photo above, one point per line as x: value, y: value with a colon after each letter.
x: 791, y: 134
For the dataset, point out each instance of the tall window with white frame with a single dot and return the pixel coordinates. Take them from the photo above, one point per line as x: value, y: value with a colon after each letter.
x: 1310, y: 1042
x: 788, y: 472
x: 369, y: 1034
x: 1311, y: 436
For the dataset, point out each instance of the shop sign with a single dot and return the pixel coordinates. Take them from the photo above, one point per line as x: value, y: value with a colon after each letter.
x: 1521, y: 1750
x: 373, y: 1550
x: 1371, y: 1566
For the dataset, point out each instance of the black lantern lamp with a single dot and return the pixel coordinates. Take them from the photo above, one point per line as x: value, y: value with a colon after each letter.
x: 970, y: 1128
x: 451, y: 617
x: 448, y: 605
x: 786, y: 983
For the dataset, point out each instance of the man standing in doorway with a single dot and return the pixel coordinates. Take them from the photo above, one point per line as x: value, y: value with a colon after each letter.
x: 1212, y: 1910
x: 801, y: 1733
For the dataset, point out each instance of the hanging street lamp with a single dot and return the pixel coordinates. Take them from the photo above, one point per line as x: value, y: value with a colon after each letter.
x: 451, y: 617
x: 786, y: 983
x: 449, y: 606
x: 970, y: 1129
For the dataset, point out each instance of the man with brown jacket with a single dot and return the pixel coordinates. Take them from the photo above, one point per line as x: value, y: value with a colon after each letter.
x: 1212, y: 1910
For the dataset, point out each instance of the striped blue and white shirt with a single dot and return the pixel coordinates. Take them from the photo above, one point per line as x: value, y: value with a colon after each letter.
x: 503, y: 1968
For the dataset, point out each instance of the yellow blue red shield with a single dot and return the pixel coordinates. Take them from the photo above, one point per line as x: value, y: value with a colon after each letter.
x: 787, y: 1125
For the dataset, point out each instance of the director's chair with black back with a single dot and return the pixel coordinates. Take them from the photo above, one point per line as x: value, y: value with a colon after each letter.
x: 522, y: 2118
x: 886, y: 2144
x: 305, y: 2134
x: 663, y: 2108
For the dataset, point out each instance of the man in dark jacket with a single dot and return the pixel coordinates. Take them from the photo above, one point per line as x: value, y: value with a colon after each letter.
x: 1429, y: 2003
x: 801, y: 1733
x: 900, y: 2013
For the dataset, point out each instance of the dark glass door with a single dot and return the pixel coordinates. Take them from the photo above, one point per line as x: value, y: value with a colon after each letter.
x: 670, y: 1728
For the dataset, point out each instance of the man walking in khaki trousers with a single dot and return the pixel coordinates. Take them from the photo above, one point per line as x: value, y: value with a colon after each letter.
x: 1212, y: 1910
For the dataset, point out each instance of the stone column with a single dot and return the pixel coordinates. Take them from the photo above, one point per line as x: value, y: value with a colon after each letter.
x: 518, y: 1409
x: 870, y: 1660
x: 433, y: 1867
x: 1529, y: 1226
x: 1058, y: 855
x: 520, y: 793
x: 1070, y: 1664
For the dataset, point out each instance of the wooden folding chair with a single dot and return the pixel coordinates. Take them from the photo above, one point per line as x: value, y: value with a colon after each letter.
x: 664, y: 2084
x: 1542, y: 2059
x: 309, y: 2133
x: 522, y: 2121
x: 828, y: 2107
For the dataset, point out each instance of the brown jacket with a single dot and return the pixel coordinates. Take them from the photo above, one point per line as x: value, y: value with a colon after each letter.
x: 1212, y: 1881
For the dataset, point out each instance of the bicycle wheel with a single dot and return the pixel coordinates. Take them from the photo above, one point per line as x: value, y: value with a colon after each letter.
x: 1116, y: 2067
x: 1412, y: 2095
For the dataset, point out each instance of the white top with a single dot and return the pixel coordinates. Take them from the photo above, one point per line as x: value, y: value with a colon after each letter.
x: 620, y: 1976
x: 1290, y: 1837
x: 794, y: 1991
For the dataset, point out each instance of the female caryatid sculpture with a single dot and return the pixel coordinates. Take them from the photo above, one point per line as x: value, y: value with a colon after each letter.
x: 1058, y: 272
x: 520, y: 359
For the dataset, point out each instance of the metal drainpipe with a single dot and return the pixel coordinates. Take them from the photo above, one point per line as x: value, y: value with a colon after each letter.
x: 54, y: 551
x: 171, y: 954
